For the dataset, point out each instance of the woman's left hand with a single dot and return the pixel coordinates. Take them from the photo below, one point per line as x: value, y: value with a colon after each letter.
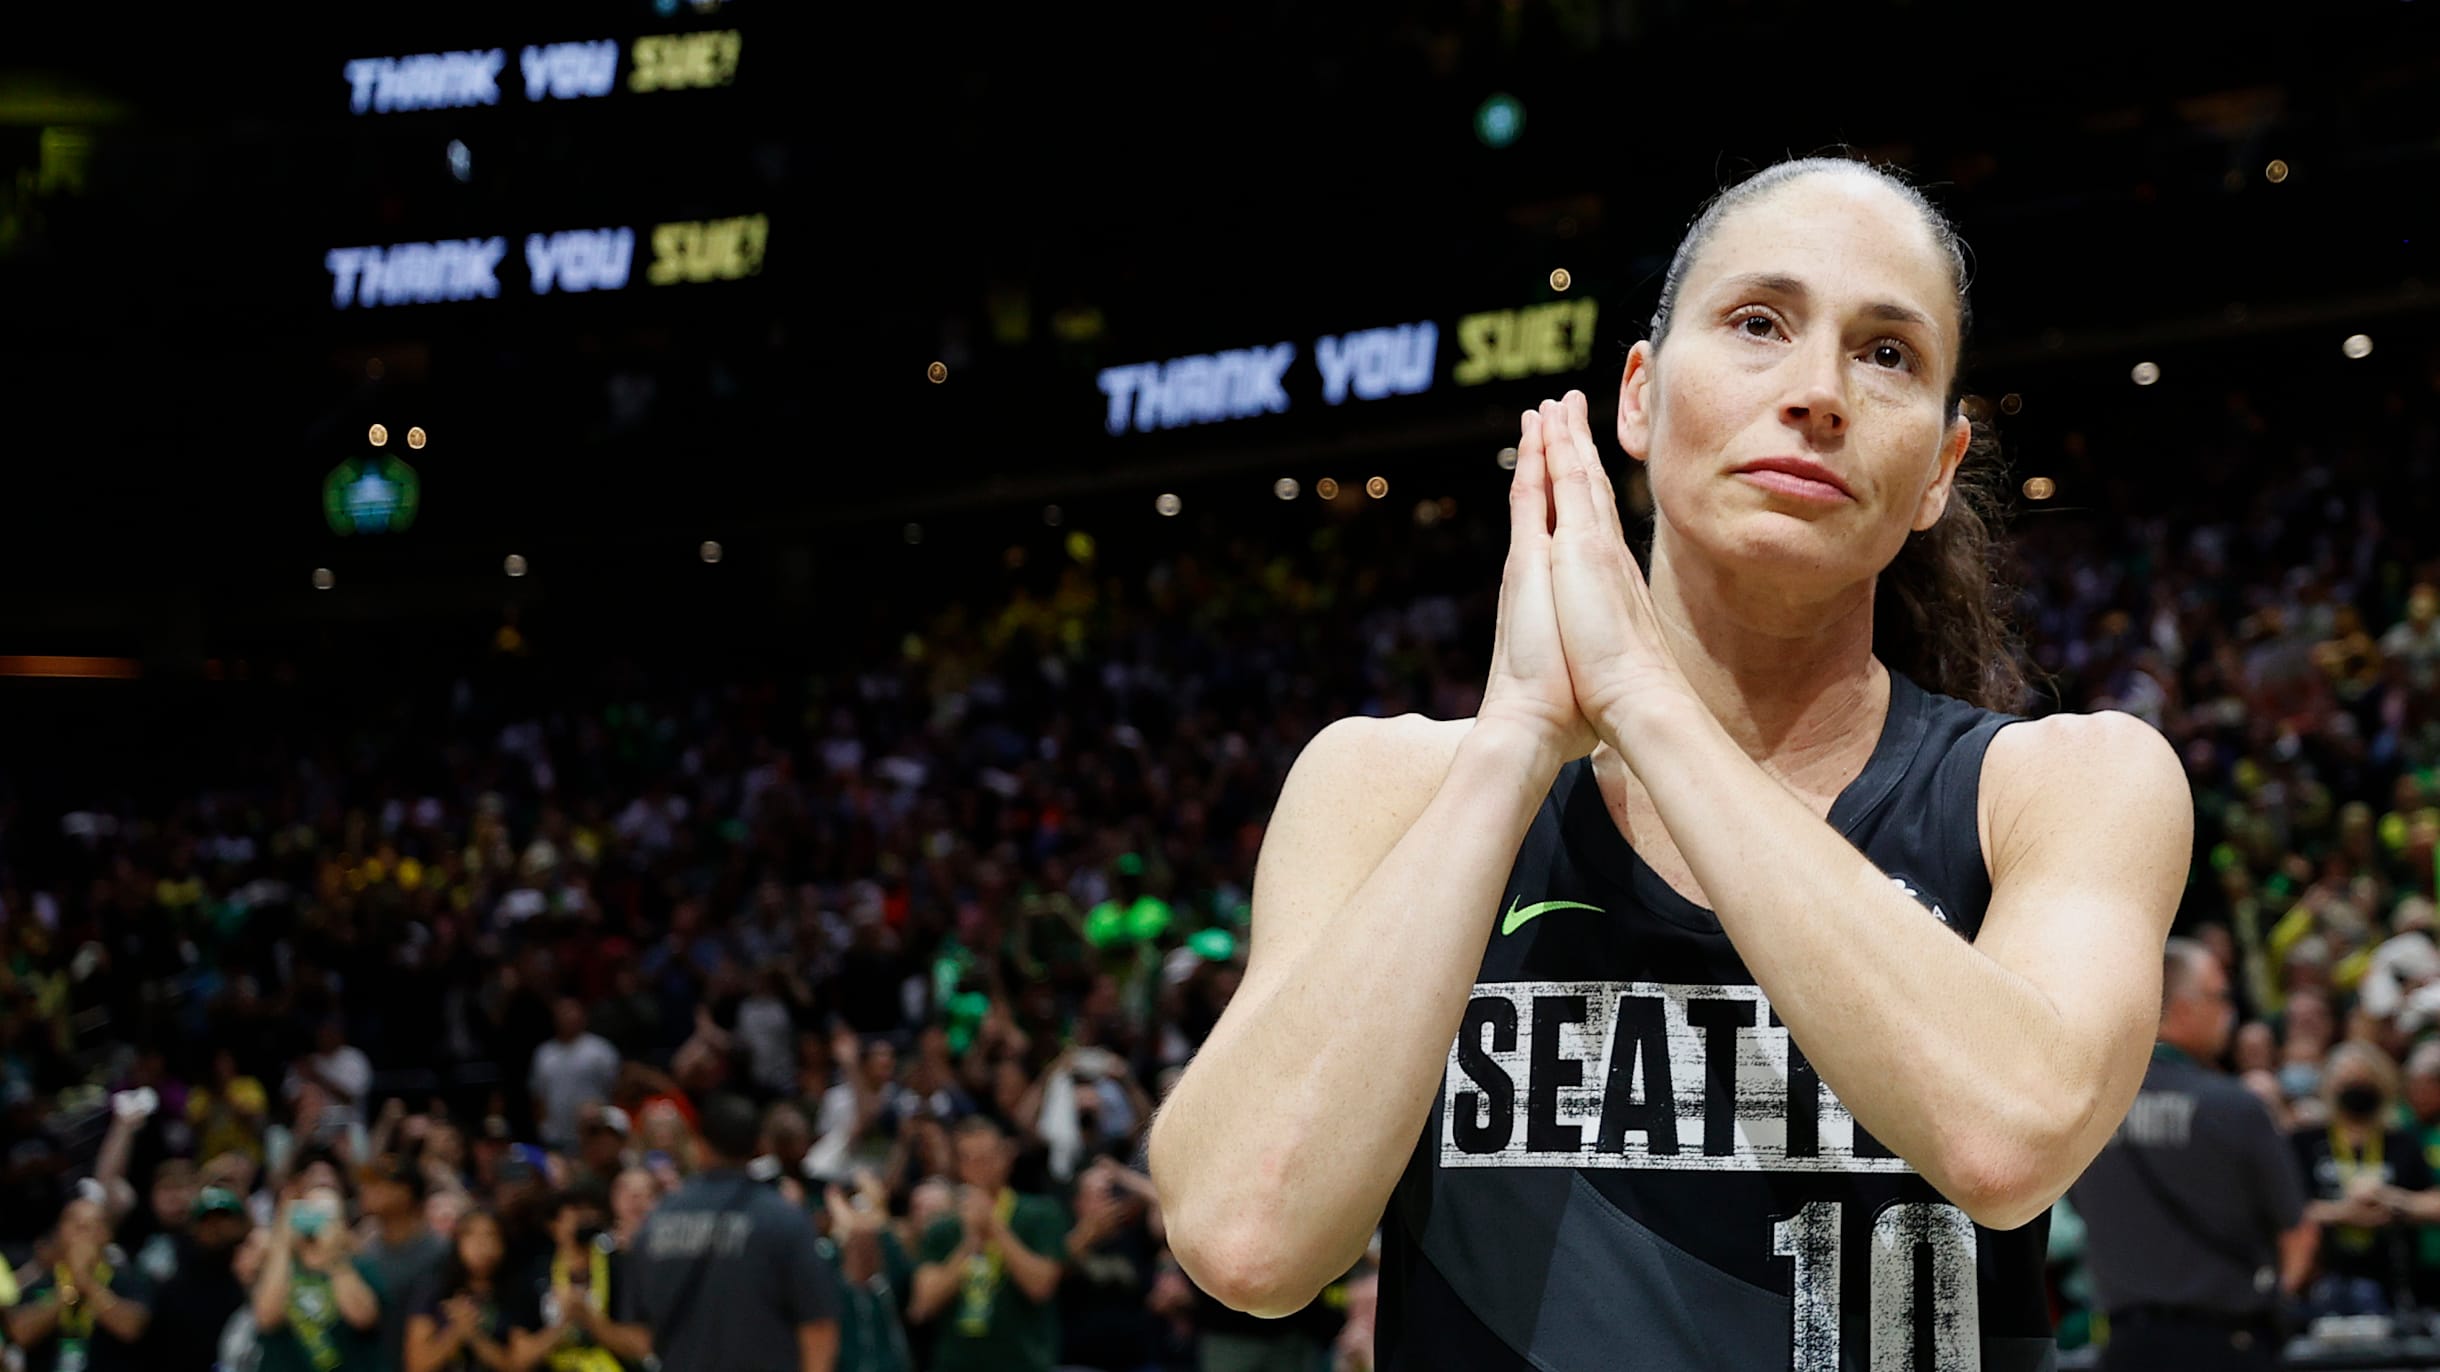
x: 1617, y: 655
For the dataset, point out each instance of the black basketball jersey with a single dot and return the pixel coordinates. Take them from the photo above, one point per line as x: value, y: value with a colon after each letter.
x: 1630, y: 1165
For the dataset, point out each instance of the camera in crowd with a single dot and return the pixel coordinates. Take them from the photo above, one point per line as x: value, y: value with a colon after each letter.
x: 1094, y: 1064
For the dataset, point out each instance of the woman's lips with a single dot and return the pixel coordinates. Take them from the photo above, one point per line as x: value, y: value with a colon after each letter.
x: 1796, y: 487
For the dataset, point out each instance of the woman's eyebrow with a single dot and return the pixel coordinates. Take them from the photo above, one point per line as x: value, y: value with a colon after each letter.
x: 1780, y: 283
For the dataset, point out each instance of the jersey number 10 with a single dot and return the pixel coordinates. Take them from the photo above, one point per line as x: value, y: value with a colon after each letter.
x: 1902, y: 1319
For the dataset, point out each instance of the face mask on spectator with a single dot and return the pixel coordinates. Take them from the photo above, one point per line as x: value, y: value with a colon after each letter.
x: 2359, y: 1099
x: 2299, y: 1080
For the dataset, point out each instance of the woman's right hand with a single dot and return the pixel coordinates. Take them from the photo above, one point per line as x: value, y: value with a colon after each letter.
x: 1529, y: 685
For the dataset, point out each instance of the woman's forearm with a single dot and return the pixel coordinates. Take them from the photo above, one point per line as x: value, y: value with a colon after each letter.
x: 860, y: 1255
x: 1988, y: 1083
x: 271, y: 1284
x: 1036, y: 1274
x: 490, y: 1353
x: 529, y: 1348
x: 934, y: 1283
x: 632, y: 1342
x: 125, y: 1319
x: 357, y: 1303
x: 28, y: 1325
x: 1280, y: 1145
x: 431, y: 1345
x: 110, y: 1167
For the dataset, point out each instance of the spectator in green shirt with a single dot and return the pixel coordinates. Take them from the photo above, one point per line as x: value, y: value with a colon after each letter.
x: 991, y: 1271
x: 871, y: 1269
x: 2420, y: 1116
x: 317, y: 1304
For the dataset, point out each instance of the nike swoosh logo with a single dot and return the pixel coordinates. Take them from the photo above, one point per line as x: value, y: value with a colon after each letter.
x: 1515, y: 918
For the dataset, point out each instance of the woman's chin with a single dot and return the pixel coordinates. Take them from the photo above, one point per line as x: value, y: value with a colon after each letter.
x: 1768, y: 545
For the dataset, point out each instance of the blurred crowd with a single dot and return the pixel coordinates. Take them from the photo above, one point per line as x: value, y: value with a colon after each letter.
x: 2281, y: 626
x: 375, y: 1048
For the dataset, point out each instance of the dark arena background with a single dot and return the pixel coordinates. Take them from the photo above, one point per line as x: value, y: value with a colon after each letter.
x: 805, y: 539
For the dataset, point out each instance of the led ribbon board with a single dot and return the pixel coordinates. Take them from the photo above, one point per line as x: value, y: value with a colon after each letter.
x: 562, y: 262
x: 585, y: 70
x: 1367, y: 364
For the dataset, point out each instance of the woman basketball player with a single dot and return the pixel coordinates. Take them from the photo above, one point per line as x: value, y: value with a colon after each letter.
x: 1739, y: 987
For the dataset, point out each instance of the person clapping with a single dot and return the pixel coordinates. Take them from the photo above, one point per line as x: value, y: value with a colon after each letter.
x: 86, y: 1313
x: 462, y: 1322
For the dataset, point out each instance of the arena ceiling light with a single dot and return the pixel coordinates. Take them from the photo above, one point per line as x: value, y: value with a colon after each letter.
x: 1499, y: 120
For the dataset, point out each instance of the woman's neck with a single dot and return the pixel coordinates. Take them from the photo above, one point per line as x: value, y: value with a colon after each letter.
x: 1787, y: 676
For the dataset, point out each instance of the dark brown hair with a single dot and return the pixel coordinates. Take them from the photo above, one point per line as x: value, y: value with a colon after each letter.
x: 1940, y: 610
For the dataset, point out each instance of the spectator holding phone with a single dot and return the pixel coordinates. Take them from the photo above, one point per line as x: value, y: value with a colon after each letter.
x: 84, y: 1313
x: 1103, y: 1307
x: 872, y: 1267
x: 317, y: 1304
x: 2362, y: 1176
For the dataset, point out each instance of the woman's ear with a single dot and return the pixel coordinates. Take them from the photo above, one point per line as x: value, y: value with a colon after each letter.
x: 1953, y: 445
x: 1635, y: 397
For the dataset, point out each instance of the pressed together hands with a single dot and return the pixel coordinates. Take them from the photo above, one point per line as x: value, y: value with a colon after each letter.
x: 1579, y: 644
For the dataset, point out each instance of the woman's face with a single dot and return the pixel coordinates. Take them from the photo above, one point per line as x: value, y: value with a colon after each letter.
x: 632, y: 1197
x: 2257, y: 1051
x: 2309, y: 1021
x: 664, y: 1128
x: 1819, y: 323
x: 442, y: 1210
x: 478, y: 1243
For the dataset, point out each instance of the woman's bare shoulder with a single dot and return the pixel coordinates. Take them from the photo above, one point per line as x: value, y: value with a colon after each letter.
x: 1397, y: 760
x: 2108, y: 742
x: 2107, y: 761
x: 1359, y: 785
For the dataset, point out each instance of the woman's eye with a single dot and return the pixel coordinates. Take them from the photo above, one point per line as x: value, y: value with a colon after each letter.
x: 1751, y: 320
x: 1889, y: 355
